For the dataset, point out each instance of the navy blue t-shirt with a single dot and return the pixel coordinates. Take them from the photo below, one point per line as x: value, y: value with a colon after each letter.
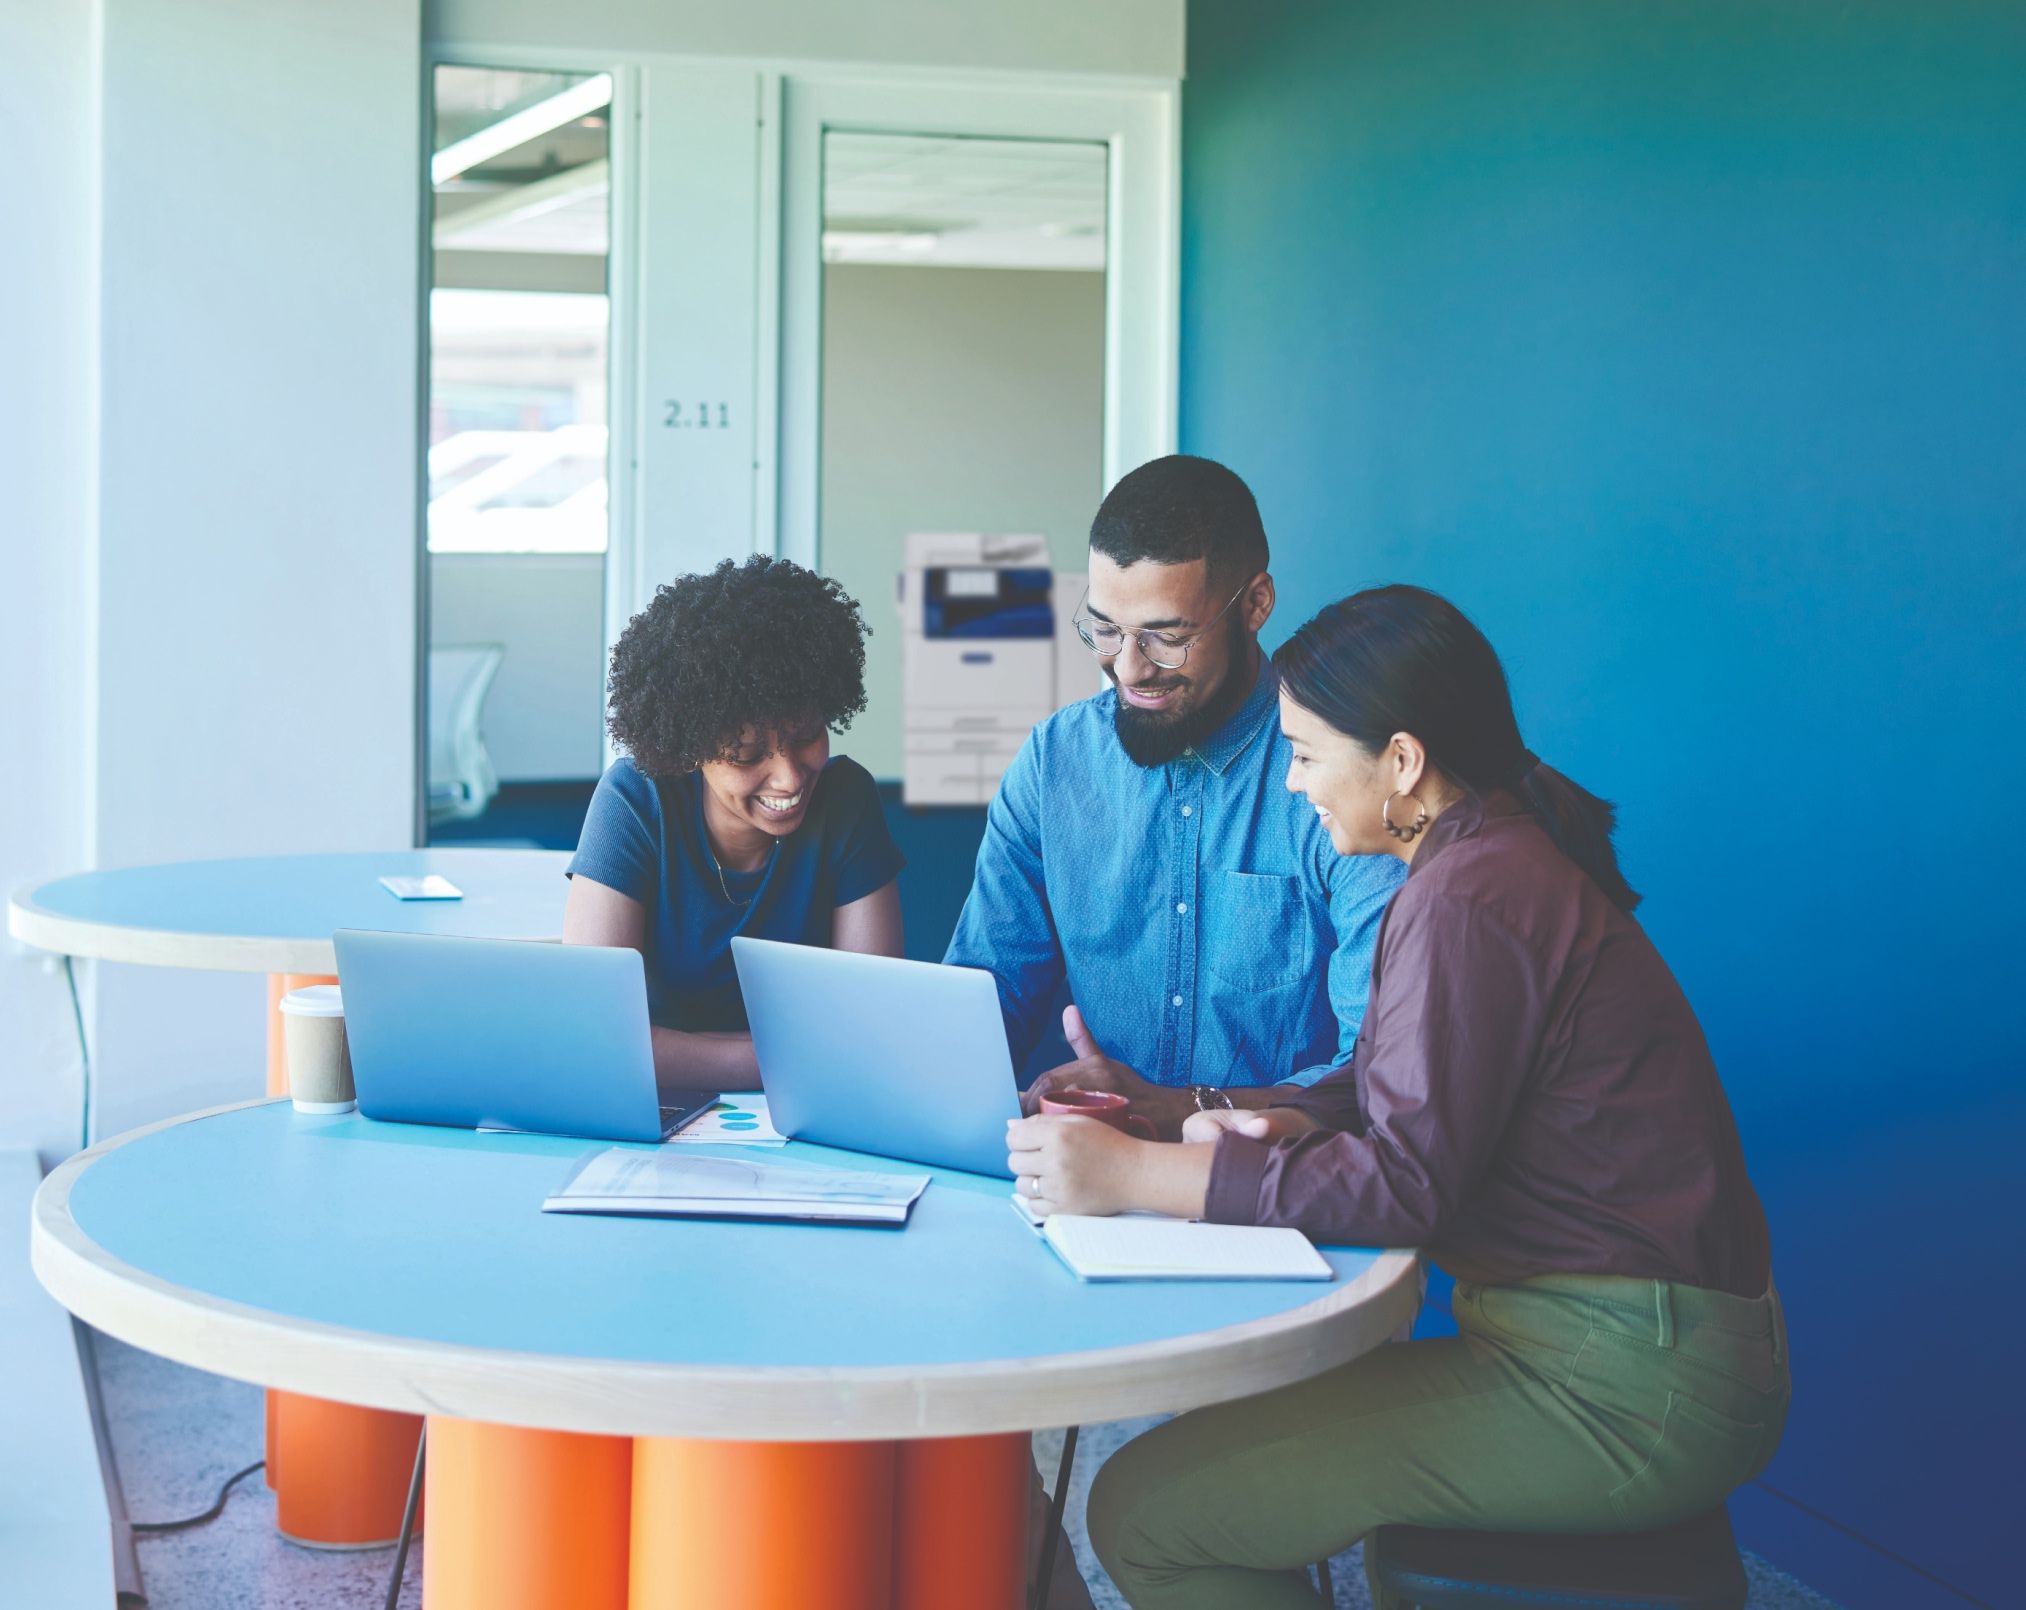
x: 646, y: 839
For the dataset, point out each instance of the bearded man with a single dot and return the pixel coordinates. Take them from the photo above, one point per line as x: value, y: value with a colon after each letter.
x: 1143, y: 848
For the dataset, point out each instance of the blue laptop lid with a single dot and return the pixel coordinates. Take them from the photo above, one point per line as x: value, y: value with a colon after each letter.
x: 897, y: 1058
x: 504, y: 1033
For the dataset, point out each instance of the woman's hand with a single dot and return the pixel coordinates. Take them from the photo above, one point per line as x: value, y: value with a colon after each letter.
x: 1063, y: 1163
x: 1269, y: 1123
x: 1093, y: 1070
x: 1066, y: 1164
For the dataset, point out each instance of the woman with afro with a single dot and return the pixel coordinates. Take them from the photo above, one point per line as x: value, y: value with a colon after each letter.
x: 728, y: 814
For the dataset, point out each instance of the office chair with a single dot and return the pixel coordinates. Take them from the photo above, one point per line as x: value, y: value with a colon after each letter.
x: 462, y: 781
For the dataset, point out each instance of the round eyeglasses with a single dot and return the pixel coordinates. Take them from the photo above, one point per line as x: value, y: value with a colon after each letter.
x: 1106, y: 639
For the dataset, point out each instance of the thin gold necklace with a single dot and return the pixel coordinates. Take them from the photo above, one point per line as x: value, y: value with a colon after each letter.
x: 718, y: 867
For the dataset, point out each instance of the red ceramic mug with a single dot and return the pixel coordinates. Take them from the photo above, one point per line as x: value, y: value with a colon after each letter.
x: 1106, y: 1106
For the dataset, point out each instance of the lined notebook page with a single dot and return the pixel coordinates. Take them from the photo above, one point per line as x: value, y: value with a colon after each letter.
x: 1180, y: 1249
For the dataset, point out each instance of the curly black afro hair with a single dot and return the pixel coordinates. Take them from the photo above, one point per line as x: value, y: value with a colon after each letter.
x: 763, y: 643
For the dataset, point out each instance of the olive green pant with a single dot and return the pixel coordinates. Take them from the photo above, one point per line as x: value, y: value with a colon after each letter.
x: 1568, y: 1403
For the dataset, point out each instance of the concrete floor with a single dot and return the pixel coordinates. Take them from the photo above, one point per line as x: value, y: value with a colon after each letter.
x: 179, y: 1433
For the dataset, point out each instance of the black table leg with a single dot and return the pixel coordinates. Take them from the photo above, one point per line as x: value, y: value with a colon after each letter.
x: 407, y: 1522
x: 1056, y: 1506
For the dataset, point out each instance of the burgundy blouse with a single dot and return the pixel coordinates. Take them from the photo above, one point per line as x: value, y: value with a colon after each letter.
x: 1530, y: 1094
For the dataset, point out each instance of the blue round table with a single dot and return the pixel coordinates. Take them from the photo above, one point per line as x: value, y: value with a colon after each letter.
x: 276, y: 913
x: 411, y: 1268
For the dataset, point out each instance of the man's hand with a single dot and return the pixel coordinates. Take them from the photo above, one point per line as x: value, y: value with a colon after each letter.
x: 1093, y: 1070
x: 1269, y: 1123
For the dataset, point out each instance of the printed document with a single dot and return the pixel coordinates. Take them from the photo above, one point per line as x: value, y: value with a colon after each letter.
x: 629, y: 1180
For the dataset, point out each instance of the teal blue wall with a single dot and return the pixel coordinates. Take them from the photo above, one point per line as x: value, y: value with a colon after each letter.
x: 1684, y: 345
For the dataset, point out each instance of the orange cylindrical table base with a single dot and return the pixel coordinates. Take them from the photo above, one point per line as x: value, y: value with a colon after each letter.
x: 960, y: 1523
x: 525, y: 1520
x: 347, y: 1471
x: 761, y: 1525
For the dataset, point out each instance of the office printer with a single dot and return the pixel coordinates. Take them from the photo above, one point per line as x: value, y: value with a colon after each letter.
x: 987, y: 650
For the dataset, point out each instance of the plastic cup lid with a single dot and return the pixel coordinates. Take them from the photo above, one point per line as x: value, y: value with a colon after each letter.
x: 314, y: 1000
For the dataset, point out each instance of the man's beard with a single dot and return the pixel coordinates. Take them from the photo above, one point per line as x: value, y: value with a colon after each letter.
x: 1153, y: 737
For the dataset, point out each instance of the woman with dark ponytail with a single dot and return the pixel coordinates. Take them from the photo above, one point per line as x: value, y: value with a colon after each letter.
x: 1532, y: 1102
x: 1402, y: 659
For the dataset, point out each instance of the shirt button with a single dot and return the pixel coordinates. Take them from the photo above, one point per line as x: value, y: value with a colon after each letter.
x: 1188, y: 810
x: 1178, y: 1000
x: 1181, y: 908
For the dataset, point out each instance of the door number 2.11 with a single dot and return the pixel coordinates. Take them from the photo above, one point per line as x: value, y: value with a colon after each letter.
x: 705, y: 416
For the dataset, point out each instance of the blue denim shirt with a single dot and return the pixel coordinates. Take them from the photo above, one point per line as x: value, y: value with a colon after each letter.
x: 1206, y: 927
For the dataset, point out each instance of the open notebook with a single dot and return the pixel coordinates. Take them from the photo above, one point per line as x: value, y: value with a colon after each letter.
x: 1152, y: 1246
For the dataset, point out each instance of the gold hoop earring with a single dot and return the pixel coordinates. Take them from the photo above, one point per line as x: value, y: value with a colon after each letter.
x: 1404, y: 834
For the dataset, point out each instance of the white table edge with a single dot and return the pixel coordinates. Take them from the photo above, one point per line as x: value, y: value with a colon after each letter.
x: 89, y: 939
x: 621, y: 1398
x: 86, y: 939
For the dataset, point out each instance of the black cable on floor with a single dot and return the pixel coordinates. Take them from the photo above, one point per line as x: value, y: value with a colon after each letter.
x: 210, y: 1514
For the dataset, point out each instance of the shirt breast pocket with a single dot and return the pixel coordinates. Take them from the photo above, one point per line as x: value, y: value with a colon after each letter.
x: 1259, y: 936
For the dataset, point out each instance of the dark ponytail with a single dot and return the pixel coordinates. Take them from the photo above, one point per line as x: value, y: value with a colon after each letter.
x: 1403, y: 659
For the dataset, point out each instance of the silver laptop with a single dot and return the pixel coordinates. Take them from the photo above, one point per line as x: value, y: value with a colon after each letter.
x: 902, y: 1059
x: 503, y: 1034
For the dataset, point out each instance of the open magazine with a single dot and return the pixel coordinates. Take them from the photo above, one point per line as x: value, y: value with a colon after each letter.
x: 628, y: 1180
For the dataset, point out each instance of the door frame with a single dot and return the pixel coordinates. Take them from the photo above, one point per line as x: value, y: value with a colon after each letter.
x: 622, y: 366
x: 1137, y: 121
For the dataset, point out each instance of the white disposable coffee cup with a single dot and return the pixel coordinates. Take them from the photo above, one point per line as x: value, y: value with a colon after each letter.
x: 313, y: 1044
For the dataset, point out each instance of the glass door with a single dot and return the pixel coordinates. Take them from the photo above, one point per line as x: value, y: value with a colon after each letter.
x: 518, y: 429
x: 962, y: 437
x: 977, y: 338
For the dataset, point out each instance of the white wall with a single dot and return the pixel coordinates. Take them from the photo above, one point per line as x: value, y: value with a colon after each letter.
x: 257, y: 462
x: 48, y: 336
x: 954, y: 399
x: 209, y: 595
x: 544, y: 720
x: 1126, y: 37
